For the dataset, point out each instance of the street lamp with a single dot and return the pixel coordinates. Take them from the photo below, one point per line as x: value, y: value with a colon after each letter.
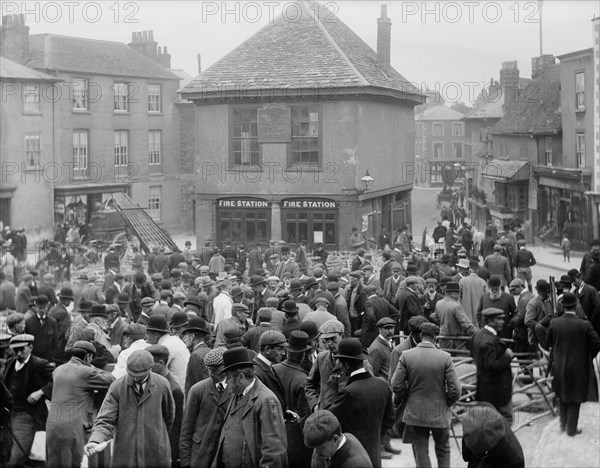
x: 366, y: 182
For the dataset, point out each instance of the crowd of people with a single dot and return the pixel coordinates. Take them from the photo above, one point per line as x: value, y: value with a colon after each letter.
x: 227, y: 358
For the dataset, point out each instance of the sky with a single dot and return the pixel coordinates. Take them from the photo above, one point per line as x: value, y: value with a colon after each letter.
x: 452, y: 46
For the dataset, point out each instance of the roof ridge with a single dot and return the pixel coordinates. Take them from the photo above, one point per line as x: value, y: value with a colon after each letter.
x: 364, y: 81
x: 88, y: 39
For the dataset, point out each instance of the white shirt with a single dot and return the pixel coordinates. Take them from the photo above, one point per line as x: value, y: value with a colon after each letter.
x: 222, y: 307
x: 19, y: 365
x: 491, y: 330
x: 249, y: 387
x: 121, y: 366
x: 178, y: 357
x: 264, y: 359
x: 358, y: 371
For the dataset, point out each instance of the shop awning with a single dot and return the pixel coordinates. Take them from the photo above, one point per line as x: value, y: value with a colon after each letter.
x: 506, y: 170
x: 89, y: 189
x: 145, y: 228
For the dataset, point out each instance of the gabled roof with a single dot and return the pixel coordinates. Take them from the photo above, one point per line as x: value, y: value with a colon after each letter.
x: 315, y: 51
x: 10, y: 70
x: 440, y: 112
x: 490, y: 102
x: 538, y: 108
x: 91, y: 56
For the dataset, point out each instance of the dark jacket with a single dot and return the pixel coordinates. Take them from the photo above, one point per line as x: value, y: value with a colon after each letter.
x: 351, y: 455
x: 573, y: 343
x: 38, y: 376
x: 364, y: 408
x: 46, y: 336
x: 494, y: 375
x: 409, y: 305
x: 293, y: 377
x: 376, y: 308
x: 271, y: 379
x: 506, y: 453
x: 202, y: 421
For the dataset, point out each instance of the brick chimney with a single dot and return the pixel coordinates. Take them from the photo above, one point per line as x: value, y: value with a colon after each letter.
x: 509, y: 83
x: 144, y: 43
x: 163, y: 58
x: 540, y: 64
x: 384, y: 38
x: 199, y: 64
x: 14, y: 38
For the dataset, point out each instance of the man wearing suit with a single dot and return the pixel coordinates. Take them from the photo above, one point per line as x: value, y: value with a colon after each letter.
x: 29, y: 380
x: 493, y: 362
x: 376, y: 308
x: 91, y: 292
x: 63, y: 320
x: 356, y: 298
x: 430, y: 297
x: 380, y: 350
x: 364, y: 406
x: 522, y: 296
x: 287, y: 265
x: 261, y: 294
x: 44, y: 329
x: 194, y: 336
x: 391, y: 284
x: 115, y: 288
x: 359, y: 260
x: 452, y: 318
x: 323, y: 433
x: 386, y: 269
x: 409, y: 304
x: 572, y: 342
x: 293, y: 376
x: 253, y: 433
x: 587, y: 295
x: 73, y: 387
x: 427, y: 382
x: 272, y: 351
x: 204, y: 413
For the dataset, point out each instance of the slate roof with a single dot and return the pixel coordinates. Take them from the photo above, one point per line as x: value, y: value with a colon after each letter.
x: 538, y: 110
x: 440, y: 112
x: 10, y: 70
x: 91, y: 56
x: 315, y: 51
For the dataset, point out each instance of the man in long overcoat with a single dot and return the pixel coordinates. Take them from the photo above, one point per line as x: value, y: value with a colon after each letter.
x: 137, y: 413
x: 573, y: 342
x: 204, y: 414
x: 493, y: 362
x: 452, y: 318
x: 364, y: 406
x: 71, y: 408
x: 253, y: 434
x: 408, y: 302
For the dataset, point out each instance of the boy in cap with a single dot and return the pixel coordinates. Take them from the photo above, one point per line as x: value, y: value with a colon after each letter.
x: 493, y: 361
x: 136, y: 414
x: 204, y: 413
x: 73, y: 385
x: 29, y: 380
x: 323, y: 433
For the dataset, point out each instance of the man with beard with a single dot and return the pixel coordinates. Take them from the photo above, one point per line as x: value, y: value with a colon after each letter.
x: 495, y: 298
x: 430, y: 297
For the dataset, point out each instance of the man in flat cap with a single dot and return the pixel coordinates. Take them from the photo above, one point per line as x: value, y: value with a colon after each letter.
x: 204, y: 413
x: 427, y: 384
x: 271, y: 351
x: 29, y: 380
x: 493, y: 361
x: 136, y: 414
x: 326, y: 378
x: 254, y: 430
x: 488, y: 439
x: 134, y: 338
x: 380, y: 351
x: 238, y: 321
x: 392, y: 283
x: 430, y: 297
x: 364, y: 405
x: 160, y: 354
x: 67, y: 431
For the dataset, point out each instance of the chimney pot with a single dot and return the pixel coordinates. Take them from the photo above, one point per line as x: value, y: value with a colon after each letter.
x: 384, y: 11
x: 151, y: 35
x: 165, y: 50
x: 199, y: 64
x: 145, y: 36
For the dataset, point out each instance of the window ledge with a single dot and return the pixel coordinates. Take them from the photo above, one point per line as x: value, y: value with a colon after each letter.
x: 304, y: 169
x: 244, y: 169
x: 155, y: 113
x: 580, y: 110
x: 121, y: 112
x: 81, y: 111
x: 32, y: 112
